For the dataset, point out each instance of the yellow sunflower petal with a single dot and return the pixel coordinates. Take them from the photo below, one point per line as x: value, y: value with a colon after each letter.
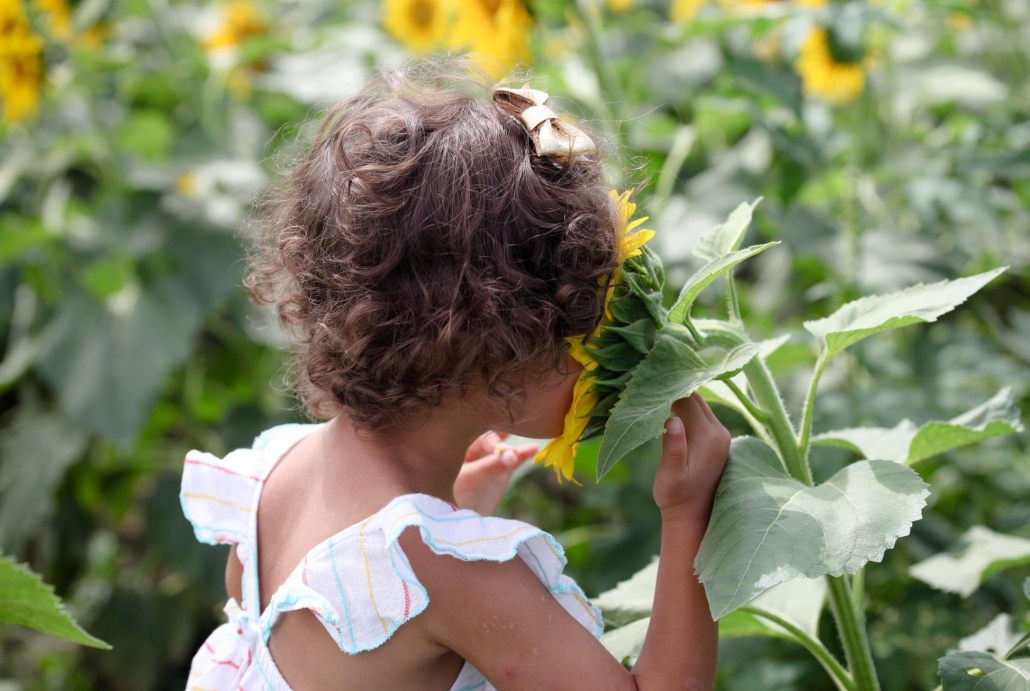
x: 631, y: 244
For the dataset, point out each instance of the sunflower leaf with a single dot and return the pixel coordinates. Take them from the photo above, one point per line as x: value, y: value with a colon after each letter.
x: 966, y: 671
x: 726, y: 237
x: 706, y: 275
x: 980, y: 553
x: 26, y: 600
x: 672, y: 370
x: 869, y: 315
x: 767, y: 528
x: 909, y: 444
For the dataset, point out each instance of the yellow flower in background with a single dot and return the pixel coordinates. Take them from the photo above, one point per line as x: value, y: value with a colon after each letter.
x: 560, y: 453
x: 58, y: 16
x: 960, y: 21
x: 684, y: 11
x: 419, y: 24
x: 240, y: 21
x: 186, y: 184
x: 21, y: 70
x: 495, y: 32
x: 620, y: 6
x: 822, y: 75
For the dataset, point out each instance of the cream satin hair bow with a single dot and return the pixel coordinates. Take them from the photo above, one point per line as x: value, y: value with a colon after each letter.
x: 551, y: 137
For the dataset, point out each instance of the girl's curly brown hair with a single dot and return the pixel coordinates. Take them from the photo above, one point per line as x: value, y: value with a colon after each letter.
x: 420, y: 250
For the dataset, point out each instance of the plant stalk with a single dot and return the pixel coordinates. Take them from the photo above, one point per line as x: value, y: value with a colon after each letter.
x: 853, y: 636
x: 841, y: 677
x: 755, y: 412
x: 809, y: 409
x: 768, y: 397
x: 732, y: 300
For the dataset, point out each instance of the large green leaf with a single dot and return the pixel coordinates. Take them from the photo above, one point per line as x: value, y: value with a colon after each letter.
x: 869, y: 315
x: 996, y: 638
x: 969, y: 671
x: 672, y: 370
x: 625, y: 642
x: 767, y: 528
x: 981, y: 552
x: 799, y: 601
x: 36, y: 450
x: 107, y: 361
x: 25, y: 600
x: 726, y: 237
x: 628, y: 606
x: 630, y: 599
x: 909, y: 444
x: 706, y: 275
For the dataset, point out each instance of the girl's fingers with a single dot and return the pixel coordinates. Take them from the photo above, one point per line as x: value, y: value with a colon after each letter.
x: 484, y: 445
x: 706, y: 409
x: 505, y: 461
x: 694, y: 420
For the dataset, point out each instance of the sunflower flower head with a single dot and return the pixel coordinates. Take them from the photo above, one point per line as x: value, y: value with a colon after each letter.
x: 823, y: 75
x: 21, y: 67
x: 421, y: 25
x: 240, y: 21
x: 621, y: 340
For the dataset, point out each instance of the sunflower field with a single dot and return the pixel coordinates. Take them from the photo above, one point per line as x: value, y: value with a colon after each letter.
x: 888, y: 141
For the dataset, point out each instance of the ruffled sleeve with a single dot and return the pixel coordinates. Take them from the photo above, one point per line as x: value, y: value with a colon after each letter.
x: 361, y: 586
x: 218, y: 494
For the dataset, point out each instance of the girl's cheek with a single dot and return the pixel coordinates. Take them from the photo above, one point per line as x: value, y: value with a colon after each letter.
x: 547, y: 404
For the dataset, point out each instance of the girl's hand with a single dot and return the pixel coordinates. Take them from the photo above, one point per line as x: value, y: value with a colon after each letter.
x: 487, y: 470
x: 693, y: 457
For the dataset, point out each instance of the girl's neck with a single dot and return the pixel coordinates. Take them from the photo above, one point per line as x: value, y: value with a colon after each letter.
x: 425, y: 460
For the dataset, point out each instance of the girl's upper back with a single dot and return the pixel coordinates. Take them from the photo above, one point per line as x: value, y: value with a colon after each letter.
x: 359, y: 583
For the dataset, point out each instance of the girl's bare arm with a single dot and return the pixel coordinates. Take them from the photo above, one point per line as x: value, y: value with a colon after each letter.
x: 502, y: 619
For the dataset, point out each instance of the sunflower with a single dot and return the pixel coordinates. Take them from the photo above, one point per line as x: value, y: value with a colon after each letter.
x: 59, y: 17
x: 419, y: 24
x: 684, y: 11
x: 561, y: 451
x: 823, y: 75
x: 495, y: 32
x: 21, y: 70
x: 240, y: 21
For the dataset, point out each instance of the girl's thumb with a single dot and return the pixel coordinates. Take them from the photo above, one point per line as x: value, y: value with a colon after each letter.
x: 674, y: 442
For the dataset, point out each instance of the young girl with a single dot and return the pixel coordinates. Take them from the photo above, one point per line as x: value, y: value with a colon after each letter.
x: 433, y: 251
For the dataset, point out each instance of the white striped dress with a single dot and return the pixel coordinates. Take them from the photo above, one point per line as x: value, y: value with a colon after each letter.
x: 358, y: 583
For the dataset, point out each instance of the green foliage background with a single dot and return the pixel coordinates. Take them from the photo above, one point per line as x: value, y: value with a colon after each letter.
x: 128, y: 340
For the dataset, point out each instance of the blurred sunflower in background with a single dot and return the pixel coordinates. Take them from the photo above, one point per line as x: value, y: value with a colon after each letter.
x: 495, y: 32
x: 240, y: 20
x: 421, y: 25
x: 21, y: 69
x: 59, y: 17
x: 824, y: 75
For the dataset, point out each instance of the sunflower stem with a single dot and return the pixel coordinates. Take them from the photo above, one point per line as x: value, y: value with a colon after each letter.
x: 732, y: 300
x: 694, y: 333
x: 756, y: 412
